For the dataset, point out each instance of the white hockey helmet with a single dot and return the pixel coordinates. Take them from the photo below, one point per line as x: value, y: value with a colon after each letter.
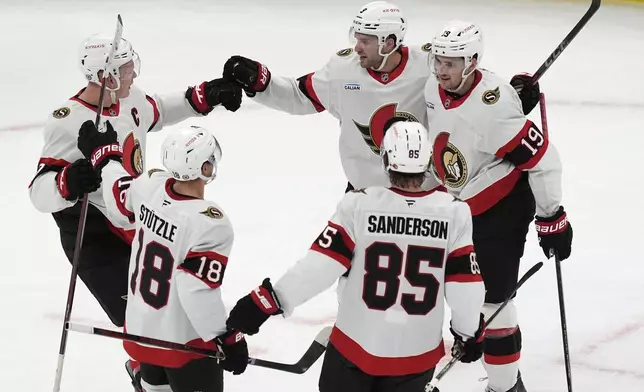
x: 93, y: 56
x: 185, y: 151
x: 406, y: 148
x: 459, y: 39
x: 380, y: 19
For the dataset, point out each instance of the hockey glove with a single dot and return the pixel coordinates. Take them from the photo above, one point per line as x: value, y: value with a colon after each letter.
x: 99, y: 147
x: 253, y: 310
x: 555, y: 233
x: 207, y: 95
x: 253, y: 76
x: 233, y: 345
x: 529, y: 95
x: 76, y: 179
x: 470, y: 350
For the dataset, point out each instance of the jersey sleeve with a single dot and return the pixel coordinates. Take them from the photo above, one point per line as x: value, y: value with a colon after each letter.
x: 516, y: 139
x: 59, y: 150
x: 117, y: 184
x: 328, y: 258
x: 161, y: 110
x: 308, y: 94
x: 464, y: 288
x: 200, y: 275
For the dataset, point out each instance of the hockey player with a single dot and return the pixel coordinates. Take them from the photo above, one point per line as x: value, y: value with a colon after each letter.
x: 64, y: 175
x: 487, y: 153
x: 364, y: 87
x: 405, y: 249
x: 367, y: 87
x: 178, y: 260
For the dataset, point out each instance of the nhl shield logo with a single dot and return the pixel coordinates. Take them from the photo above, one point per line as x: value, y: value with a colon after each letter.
x: 384, y: 77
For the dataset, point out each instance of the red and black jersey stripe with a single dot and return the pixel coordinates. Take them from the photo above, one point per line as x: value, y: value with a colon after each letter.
x: 305, y: 84
x: 335, y: 243
x: 526, y: 149
x: 46, y: 165
x: 155, y: 108
x: 209, y: 267
x: 461, y: 268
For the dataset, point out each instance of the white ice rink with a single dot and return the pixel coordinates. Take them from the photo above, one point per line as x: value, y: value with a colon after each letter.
x: 280, y: 178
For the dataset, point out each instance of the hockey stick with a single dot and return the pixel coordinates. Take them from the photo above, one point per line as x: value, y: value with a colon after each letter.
x: 562, y: 307
x: 315, y: 350
x: 594, y: 6
x: 81, y: 221
x: 431, y: 386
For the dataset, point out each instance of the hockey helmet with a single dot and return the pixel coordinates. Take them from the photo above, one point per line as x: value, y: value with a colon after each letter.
x: 406, y: 148
x: 185, y: 151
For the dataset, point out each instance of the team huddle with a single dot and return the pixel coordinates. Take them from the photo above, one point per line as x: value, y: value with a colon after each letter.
x: 445, y: 174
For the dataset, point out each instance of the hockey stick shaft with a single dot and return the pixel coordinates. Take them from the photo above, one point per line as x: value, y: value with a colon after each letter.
x: 300, y: 367
x: 81, y: 225
x: 553, y: 253
x: 432, y: 384
x: 564, y: 324
x: 594, y: 6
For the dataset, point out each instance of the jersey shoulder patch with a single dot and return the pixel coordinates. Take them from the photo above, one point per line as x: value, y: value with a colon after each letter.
x: 426, y: 47
x: 490, y: 97
x: 344, y: 52
x: 152, y: 171
x: 61, y: 112
x: 361, y: 190
x: 213, y: 213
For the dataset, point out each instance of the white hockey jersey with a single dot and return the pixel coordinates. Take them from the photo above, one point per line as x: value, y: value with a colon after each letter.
x: 178, y: 263
x: 362, y: 100
x: 483, y: 142
x: 131, y: 118
x: 405, y: 252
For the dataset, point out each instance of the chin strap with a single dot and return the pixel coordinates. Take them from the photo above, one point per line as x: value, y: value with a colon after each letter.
x: 384, y: 57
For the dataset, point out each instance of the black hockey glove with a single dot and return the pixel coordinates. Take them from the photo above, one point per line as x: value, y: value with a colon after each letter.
x: 529, y: 95
x: 99, y: 147
x: 254, y: 77
x: 207, y: 95
x: 76, y: 179
x: 471, y: 349
x: 233, y: 345
x: 253, y: 310
x: 555, y: 233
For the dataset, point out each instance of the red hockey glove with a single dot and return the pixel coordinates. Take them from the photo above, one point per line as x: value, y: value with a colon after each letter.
x: 99, y: 147
x: 254, y: 77
x: 207, y: 95
x: 253, y: 310
x: 529, y: 95
x: 233, y: 345
x: 76, y: 179
x: 555, y: 232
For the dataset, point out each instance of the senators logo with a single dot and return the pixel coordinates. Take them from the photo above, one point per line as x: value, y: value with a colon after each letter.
x: 132, y: 155
x: 448, y: 163
x: 380, y: 120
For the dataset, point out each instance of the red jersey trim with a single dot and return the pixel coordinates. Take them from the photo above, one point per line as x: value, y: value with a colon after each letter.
x: 126, y: 235
x: 332, y: 253
x: 384, y: 366
x: 466, y: 250
x: 463, y: 278
x: 210, y: 255
x: 306, y: 87
x: 491, y: 195
x: 414, y: 194
x: 110, y: 111
x: 163, y: 357
x: 155, y: 108
x: 45, y: 163
x: 388, y: 77
x: 452, y: 103
x: 516, y: 143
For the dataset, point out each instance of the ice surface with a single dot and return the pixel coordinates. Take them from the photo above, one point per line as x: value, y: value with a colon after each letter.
x: 281, y: 178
